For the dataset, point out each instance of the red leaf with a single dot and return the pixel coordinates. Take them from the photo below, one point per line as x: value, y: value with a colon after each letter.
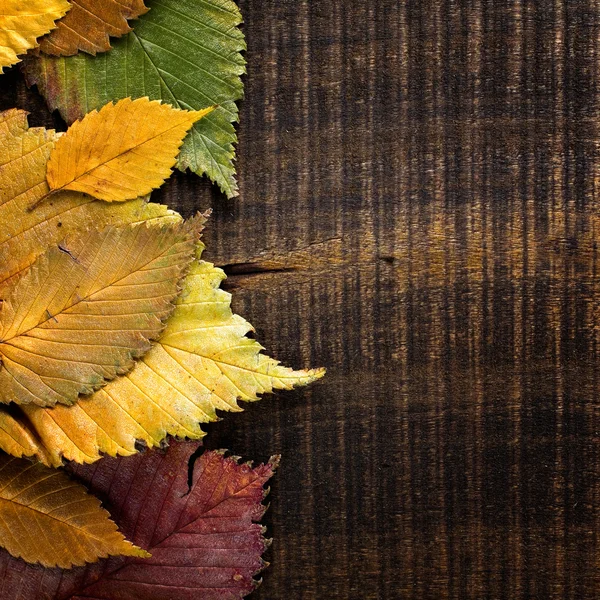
x: 204, y: 544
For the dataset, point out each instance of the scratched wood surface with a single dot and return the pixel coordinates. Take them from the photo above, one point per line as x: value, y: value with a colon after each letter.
x: 419, y: 213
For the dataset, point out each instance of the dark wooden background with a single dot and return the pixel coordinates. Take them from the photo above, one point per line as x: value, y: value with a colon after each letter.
x: 419, y: 213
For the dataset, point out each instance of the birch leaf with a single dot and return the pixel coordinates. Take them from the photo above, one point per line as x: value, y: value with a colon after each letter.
x: 184, y: 52
x: 122, y: 152
x: 26, y: 234
x: 86, y: 309
x: 206, y: 542
x: 21, y: 23
x: 202, y: 362
x: 49, y: 519
x: 88, y: 25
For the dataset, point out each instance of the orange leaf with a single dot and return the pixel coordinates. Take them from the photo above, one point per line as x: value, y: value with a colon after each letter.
x: 122, y: 152
x: 89, y: 24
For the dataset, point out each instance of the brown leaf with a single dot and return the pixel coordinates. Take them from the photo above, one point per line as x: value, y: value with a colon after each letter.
x: 88, y: 25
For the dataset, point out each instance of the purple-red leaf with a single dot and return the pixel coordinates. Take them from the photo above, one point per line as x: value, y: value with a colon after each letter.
x: 205, y: 544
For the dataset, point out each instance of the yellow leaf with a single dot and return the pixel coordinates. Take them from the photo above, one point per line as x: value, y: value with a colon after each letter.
x: 13, y: 122
x: 87, y: 308
x: 22, y: 22
x: 48, y: 518
x: 24, y: 234
x: 202, y: 362
x: 89, y: 24
x: 124, y: 151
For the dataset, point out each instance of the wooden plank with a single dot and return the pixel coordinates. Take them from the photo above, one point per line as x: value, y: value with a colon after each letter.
x: 419, y: 213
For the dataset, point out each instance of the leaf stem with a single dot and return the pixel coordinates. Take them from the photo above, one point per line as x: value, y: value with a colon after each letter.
x: 44, y: 197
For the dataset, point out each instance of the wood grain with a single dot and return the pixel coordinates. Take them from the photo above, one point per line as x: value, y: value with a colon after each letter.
x: 419, y: 213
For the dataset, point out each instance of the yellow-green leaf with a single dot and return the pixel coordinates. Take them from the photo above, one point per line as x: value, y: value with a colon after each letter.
x: 47, y: 518
x: 25, y: 234
x: 22, y: 22
x: 202, y: 362
x: 87, y: 308
x: 123, y: 151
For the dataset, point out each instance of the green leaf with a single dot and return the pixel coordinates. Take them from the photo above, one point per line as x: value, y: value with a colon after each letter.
x: 185, y: 52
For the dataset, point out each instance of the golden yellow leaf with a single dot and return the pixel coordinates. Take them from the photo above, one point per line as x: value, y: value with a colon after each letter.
x: 88, y: 25
x: 123, y: 151
x: 47, y: 518
x: 202, y: 362
x: 87, y: 308
x: 26, y: 234
x: 22, y: 22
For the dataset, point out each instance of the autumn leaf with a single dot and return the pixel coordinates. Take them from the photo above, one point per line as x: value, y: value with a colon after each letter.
x: 21, y: 23
x: 26, y: 234
x: 87, y: 308
x: 88, y: 25
x: 122, y: 152
x: 202, y: 362
x: 47, y: 518
x: 105, y: 423
x: 184, y: 52
x: 204, y: 544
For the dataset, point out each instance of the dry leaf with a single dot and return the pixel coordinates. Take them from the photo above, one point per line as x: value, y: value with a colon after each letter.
x: 47, y: 518
x: 24, y: 234
x: 87, y: 308
x: 22, y: 22
x: 122, y: 152
x: 205, y: 542
x: 88, y: 25
x: 203, y: 362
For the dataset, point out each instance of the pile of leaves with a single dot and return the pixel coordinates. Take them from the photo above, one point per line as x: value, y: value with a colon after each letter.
x: 114, y: 333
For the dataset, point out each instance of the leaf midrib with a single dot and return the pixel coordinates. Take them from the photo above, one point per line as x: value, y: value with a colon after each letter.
x: 49, y: 516
x: 117, y: 156
x: 178, y: 529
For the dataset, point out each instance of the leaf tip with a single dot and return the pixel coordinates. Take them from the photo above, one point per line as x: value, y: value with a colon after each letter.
x: 308, y: 376
x: 196, y: 115
x: 137, y: 552
x: 318, y: 373
x: 274, y: 462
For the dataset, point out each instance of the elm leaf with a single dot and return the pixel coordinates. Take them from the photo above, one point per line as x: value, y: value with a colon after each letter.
x: 26, y: 234
x: 202, y: 362
x: 183, y: 52
x: 87, y: 308
x: 88, y: 25
x: 47, y: 518
x: 121, y: 152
